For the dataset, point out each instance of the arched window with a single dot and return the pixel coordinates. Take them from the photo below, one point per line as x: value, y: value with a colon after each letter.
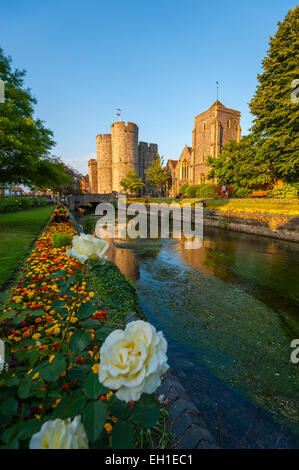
x: 185, y: 170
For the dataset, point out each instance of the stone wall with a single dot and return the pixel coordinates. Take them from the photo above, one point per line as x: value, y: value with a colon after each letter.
x: 274, y: 226
x: 146, y: 154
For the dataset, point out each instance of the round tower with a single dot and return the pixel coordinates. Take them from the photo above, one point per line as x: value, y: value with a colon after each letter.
x: 104, y: 154
x: 124, y: 143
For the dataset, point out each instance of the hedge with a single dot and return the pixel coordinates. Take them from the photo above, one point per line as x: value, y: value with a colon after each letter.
x: 19, y: 203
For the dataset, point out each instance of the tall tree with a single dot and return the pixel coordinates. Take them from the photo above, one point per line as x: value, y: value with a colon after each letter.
x: 241, y: 165
x: 156, y: 173
x: 24, y: 141
x: 131, y: 182
x: 275, y: 126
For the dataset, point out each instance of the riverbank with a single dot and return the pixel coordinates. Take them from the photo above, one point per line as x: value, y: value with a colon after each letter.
x: 273, y: 226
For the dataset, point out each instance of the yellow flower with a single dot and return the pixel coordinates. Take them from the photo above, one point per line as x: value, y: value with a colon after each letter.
x: 114, y: 419
x: 51, y: 358
x: 29, y: 371
x: 35, y: 376
x: 36, y: 336
x: 91, y: 294
x: 109, y: 395
x: 108, y: 427
x: 95, y: 368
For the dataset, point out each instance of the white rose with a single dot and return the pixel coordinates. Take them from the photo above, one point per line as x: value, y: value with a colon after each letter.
x: 132, y: 361
x: 87, y: 247
x: 60, y: 434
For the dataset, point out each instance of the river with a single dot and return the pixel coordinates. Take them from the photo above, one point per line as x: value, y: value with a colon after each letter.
x: 229, y: 311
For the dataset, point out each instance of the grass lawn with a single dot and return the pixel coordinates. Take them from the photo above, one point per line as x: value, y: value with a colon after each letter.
x: 17, y: 232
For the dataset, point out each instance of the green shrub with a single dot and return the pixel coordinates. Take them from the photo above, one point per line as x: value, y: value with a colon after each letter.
x: 19, y: 203
x: 183, y: 188
x: 286, y: 191
x: 191, y: 190
x: 242, y: 192
x: 207, y: 190
x: 88, y: 224
x: 61, y: 239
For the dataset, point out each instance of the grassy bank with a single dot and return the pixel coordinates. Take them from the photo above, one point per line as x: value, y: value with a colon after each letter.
x: 251, y: 205
x: 17, y: 232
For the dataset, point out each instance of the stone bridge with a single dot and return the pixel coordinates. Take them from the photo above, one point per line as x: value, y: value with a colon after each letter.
x: 81, y: 200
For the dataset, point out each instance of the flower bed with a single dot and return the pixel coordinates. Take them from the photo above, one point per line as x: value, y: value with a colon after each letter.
x: 52, y: 394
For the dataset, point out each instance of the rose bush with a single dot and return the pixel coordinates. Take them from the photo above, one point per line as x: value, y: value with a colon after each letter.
x: 132, y: 361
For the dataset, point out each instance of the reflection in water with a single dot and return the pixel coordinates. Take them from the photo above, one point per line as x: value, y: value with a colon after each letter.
x: 233, y: 305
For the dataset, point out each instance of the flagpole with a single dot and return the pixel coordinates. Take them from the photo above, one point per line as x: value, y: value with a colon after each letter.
x: 217, y: 86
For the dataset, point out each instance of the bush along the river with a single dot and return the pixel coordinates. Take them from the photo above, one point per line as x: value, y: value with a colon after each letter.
x: 19, y: 203
x: 68, y: 379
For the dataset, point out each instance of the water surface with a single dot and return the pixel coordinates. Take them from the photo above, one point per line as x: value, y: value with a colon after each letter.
x: 230, y: 311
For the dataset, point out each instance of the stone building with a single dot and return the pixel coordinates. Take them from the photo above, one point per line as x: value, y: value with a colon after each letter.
x: 212, y: 129
x: 117, y: 153
x: 84, y: 184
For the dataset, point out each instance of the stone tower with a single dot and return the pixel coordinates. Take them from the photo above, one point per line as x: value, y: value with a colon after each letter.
x: 212, y: 129
x: 104, y: 154
x: 117, y: 153
x: 124, y: 142
x: 147, y: 153
x: 93, y: 175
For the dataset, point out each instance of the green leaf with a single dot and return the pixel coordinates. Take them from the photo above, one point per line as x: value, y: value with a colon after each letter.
x: 70, y: 406
x: 120, y: 409
x: 122, y: 436
x: 9, y: 407
x: 103, y: 332
x: 9, y: 433
x: 59, y: 306
x: 51, y: 372
x: 90, y: 323
x: 26, y: 388
x: 93, y: 387
x: 79, y: 341
x: 29, y: 428
x: 14, y: 381
x: 5, y: 297
x: 94, y: 419
x: 145, y: 412
x: 33, y: 357
x: 59, y: 273
x: 86, y: 310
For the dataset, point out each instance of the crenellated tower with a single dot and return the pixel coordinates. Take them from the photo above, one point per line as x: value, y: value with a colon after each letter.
x: 104, y: 154
x: 124, y: 140
x: 117, y: 153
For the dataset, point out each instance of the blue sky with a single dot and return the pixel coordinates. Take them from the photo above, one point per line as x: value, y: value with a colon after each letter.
x: 158, y: 60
